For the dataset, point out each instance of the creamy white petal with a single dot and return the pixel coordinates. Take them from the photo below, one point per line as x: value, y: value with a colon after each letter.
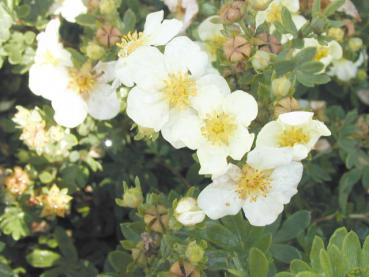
x: 240, y: 143
x: 147, y: 108
x: 260, y: 18
x: 296, y: 118
x: 183, y: 129
x: 70, y: 109
x: 183, y: 55
x: 207, y: 29
x: 191, y: 218
x: 335, y: 50
x: 268, y: 134
x: 165, y: 32
x: 123, y: 72
x: 264, y: 158
x: 103, y: 102
x: 153, y: 22
x: 242, y: 105
x: 70, y: 9
x: 213, y: 160
x: 292, y: 5
x: 300, y: 151
x: 219, y: 200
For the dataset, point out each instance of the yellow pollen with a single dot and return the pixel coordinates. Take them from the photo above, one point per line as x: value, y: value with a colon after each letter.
x: 293, y: 135
x: 253, y: 183
x: 82, y: 80
x: 274, y: 14
x: 178, y: 90
x: 130, y: 42
x: 219, y: 128
x: 321, y: 53
x: 215, y: 43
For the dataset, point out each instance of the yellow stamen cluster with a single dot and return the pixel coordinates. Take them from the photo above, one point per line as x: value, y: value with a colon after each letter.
x: 130, y: 42
x: 219, y: 128
x: 55, y: 202
x: 293, y: 135
x: 82, y: 80
x: 178, y: 90
x: 321, y: 53
x: 214, y: 44
x: 253, y: 183
x: 274, y: 14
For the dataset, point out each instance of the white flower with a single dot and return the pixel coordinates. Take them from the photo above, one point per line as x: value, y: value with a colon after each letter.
x: 69, y: 9
x: 325, y: 54
x: 220, y: 130
x: 211, y: 35
x: 273, y: 13
x: 344, y: 69
x: 261, y: 188
x: 51, y: 60
x: 185, y: 10
x: 295, y: 131
x: 156, y: 32
x: 167, y: 85
x: 87, y: 92
x: 188, y: 213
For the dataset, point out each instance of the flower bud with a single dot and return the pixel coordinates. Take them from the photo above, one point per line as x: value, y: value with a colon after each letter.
x: 18, y: 182
x: 286, y: 105
x: 132, y: 197
x: 260, y: 60
x: 183, y: 269
x: 108, y: 7
x: 231, y: 12
x: 355, y: 44
x: 362, y: 75
x: 237, y: 49
x: 336, y: 33
x: 194, y: 252
x: 108, y: 35
x: 268, y: 43
x: 259, y: 5
x: 281, y: 86
x: 157, y: 218
x: 94, y: 51
x: 188, y: 213
x: 322, y: 145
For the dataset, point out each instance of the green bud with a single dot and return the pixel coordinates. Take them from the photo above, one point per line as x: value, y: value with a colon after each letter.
x: 259, y: 5
x: 94, y: 51
x: 355, y: 44
x: 132, y: 197
x: 194, y: 253
x: 362, y: 75
x: 108, y: 6
x: 336, y: 33
x: 260, y: 60
x: 281, y: 86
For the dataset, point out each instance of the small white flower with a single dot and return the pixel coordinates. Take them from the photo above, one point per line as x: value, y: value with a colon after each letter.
x: 156, y: 32
x: 220, y: 130
x: 211, y: 36
x: 51, y: 60
x: 295, y: 131
x: 325, y: 54
x: 167, y: 85
x: 69, y: 9
x: 344, y: 69
x: 261, y: 188
x: 188, y: 213
x: 87, y: 92
x: 185, y: 10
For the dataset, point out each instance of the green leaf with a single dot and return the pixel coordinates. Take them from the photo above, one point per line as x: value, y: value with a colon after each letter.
x: 305, y: 55
x: 222, y: 236
x: 315, y: 10
x: 86, y: 20
x: 293, y: 226
x: 283, y: 67
x: 288, y: 23
x: 307, y: 274
x: 284, y: 274
x: 317, y: 245
x: 119, y: 261
x: 297, y: 266
x: 364, y: 256
x: 351, y: 249
x: 325, y: 263
x: 338, y: 261
x: 13, y: 222
x: 311, y: 67
x: 338, y: 237
x: 333, y: 7
x: 346, y: 184
x: 41, y: 258
x: 132, y: 230
x: 66, y: 245
x: 285, y: 253
x: 129, y: 20
x: 258, y: 263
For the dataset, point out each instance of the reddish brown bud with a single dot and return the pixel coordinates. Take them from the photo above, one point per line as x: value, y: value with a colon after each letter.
x: 108, y: 35
x: 237, y: 49
x: 183, y: 269
x: 286, y: 105
x: 232, y: 12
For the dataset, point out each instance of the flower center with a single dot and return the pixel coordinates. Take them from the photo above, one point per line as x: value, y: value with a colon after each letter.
x: 131, y: 42
x: 274, y: 14
x: 219, y: 128
x: 215, y: 43
x: 253, y: 183
x: 321, y: 53
x: 293, y: 135
x: 82, y: 80
x: 178, y: 89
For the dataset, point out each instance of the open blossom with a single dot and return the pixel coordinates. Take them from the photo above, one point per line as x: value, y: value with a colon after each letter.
x: 167, y: 85
x: 325, y: 54
x: 51, y: 59
x: 220, y: 130
x: 261, y: 187
x: 346, y: 70
x: 295, y: 131
x: 156, y: 32
x: 55, y: 202
x: 211, y: 36
x: 184, y: 10
x: 69, y: 9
